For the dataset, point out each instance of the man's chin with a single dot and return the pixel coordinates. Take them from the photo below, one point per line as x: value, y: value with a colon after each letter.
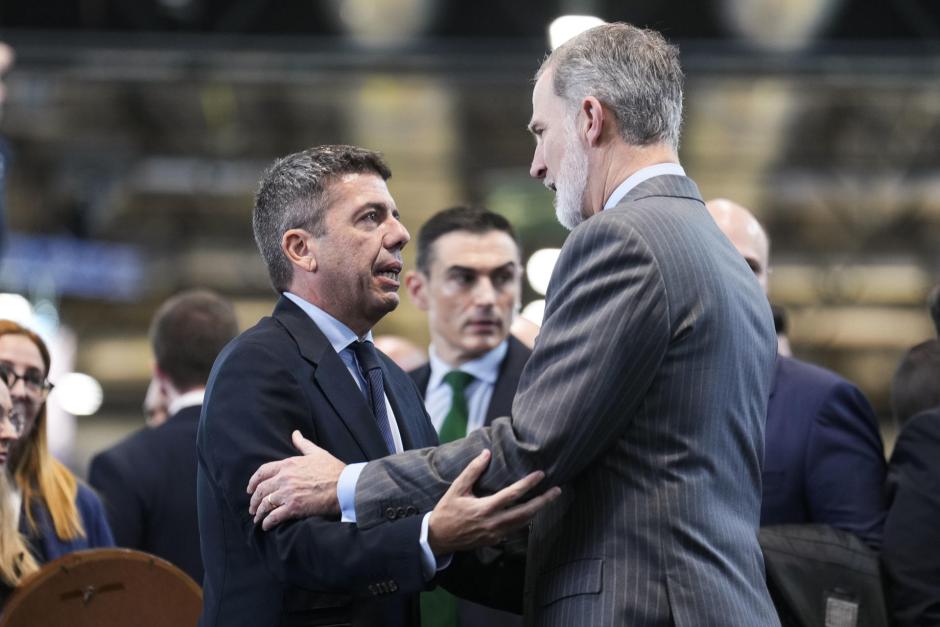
x: 568, y: 218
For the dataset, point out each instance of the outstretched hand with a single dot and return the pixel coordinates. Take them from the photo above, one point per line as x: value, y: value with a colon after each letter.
x: 461, y: 521
x: 295, y: 487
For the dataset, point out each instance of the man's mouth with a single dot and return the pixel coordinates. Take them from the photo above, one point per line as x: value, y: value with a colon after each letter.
x: 482, y: 325
x: 551, y: 186
x: 390, y: 272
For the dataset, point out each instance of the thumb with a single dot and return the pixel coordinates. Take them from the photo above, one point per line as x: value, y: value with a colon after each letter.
x: 302, y: 444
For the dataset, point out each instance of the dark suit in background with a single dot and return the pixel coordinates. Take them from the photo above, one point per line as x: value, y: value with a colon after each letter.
x: 148, y: 485
x: 645, y: 398
x: 824, y: 459
x: 911, y: 550
x: 504, y: 391
x: 281, y: 375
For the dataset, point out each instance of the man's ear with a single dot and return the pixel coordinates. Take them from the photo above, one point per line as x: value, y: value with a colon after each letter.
x: 594, y: 115
x: 417, y: 284
x: 298, y: 245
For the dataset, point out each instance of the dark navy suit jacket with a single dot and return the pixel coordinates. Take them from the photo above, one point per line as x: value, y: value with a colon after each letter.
x: 823, y: 458
x: 504, y: 576
x: 282, y: 375
x: 148, y: 485
x: 911, y: 549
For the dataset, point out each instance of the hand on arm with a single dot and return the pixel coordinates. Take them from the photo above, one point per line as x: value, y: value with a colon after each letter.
x: 295, y: 487
x: 303, y: 486
x: 461, y: 521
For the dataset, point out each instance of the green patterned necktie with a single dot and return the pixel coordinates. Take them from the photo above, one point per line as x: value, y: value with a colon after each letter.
x: 455, y: 422
x: 439, y: 607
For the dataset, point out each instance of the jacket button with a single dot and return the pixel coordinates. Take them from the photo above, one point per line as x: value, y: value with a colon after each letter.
x: 392, y: 586
x: 390, y: 513
x: 401, y: 512
x: 373, y: 589
x: 411, y: 510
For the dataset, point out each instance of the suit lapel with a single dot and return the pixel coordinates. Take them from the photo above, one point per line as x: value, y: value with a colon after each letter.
x: 413, y: 424
x: 507, y: 381
x: 421, y: 376
x: 333, y: 379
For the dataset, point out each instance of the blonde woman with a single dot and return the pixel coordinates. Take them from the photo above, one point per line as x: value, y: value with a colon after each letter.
x: 58, y: 513
x: 15, y: 559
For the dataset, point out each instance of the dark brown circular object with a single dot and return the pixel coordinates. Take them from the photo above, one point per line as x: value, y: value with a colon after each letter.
x: 104, y: 587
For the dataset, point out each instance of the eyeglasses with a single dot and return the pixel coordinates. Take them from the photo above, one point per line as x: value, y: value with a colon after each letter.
x: 32, y: 379
x: 14, y: 419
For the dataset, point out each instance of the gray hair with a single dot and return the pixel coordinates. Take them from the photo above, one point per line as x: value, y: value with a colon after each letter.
x: 633, y: 71
x: 293, y: 194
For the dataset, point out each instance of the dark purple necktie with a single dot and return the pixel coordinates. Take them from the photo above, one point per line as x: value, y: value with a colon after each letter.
x: 375, y: 388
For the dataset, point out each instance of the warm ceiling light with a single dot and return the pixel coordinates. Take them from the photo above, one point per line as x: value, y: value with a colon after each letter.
x: 567, y: 26
x: 539, y: 268
x: 78, y: 394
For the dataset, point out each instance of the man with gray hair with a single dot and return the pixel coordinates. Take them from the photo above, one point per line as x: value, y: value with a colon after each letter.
x: 646, y: 393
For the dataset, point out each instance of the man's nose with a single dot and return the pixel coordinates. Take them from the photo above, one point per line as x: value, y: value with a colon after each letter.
x: 484, y: 292
x: 397, y: 235
x: 538, y: 169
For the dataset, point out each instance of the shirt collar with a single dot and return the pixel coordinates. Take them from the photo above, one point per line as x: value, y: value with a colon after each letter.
x: 485, y: 367
x: 188, y: 399
x: 337, y: 334
x: 638, y: 177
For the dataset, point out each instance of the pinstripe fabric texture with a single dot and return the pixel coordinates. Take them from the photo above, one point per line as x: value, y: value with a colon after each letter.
x: 645, y: 400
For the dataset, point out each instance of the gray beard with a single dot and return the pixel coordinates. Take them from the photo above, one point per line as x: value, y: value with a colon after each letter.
x: 571, y: 185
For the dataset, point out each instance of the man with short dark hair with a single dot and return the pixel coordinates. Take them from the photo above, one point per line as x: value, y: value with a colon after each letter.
x: 148, y: 480
x: 330, y: 234
x: 646, y: 393
x: 468, y: 280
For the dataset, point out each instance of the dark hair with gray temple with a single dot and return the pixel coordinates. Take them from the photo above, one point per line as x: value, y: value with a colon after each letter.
x: 293, y: 194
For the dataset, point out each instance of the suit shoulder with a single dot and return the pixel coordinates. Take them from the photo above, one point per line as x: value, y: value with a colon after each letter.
x: 130, y: 450
x: 810, y: 376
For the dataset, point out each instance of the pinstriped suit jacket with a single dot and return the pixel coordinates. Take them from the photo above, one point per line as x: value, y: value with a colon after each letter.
x: 645, y: 399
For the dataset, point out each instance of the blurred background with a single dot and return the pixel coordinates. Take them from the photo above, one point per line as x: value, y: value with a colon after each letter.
x: 134, y: 133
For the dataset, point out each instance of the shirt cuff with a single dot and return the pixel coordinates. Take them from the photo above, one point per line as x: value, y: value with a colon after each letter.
x: 346, y: 491
x: 430, y: 564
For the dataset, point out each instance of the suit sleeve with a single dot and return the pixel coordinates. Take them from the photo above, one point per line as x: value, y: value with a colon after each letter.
x: 845, y: 465
x: 252, y: 406
x: 122, y: 504
x: 604, y: 335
